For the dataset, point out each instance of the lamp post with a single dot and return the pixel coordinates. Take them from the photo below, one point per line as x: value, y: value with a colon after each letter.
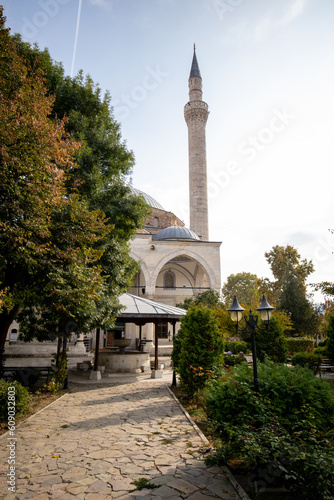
x: 265, y: 310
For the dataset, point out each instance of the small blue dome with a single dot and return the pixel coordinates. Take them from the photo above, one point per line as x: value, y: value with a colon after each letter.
x: 175, y: 232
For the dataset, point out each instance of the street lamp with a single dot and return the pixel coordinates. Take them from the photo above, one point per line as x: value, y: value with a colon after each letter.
x: 265, y: 310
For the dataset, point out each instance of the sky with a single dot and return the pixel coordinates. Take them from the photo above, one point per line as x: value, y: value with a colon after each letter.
x: 268, y: 77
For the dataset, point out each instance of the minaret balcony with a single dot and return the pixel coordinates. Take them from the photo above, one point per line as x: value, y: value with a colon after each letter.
x: 196, y: 110
x: 196, y: 104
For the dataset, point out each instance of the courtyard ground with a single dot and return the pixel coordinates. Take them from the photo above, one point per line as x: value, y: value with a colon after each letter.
x: 106, y: 439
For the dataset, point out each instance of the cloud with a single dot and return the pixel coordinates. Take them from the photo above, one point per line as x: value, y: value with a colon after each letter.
x: 294, y: 10
x: 261, y: 29
x: 103, y: 4
x: 300, y: 238
x: 237, y: 33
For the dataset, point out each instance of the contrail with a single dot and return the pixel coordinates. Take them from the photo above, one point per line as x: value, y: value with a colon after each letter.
x: 76, y: 37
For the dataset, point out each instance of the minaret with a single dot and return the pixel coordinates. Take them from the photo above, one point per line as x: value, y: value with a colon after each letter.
x: 196, y: 115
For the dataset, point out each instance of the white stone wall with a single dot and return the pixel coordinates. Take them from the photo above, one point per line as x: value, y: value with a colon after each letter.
x: 204, y: 266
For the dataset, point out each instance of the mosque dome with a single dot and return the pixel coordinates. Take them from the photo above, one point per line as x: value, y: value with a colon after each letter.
x: 149, y: 200
x: 175, y: 232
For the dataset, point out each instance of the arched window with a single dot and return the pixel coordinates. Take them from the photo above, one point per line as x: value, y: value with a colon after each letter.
x: 156, y: 221
x: 169, y: 279
x: 13, y: 335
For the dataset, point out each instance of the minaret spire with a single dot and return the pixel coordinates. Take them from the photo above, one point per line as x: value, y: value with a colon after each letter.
x: 194, y: 71
x: 196, y: 114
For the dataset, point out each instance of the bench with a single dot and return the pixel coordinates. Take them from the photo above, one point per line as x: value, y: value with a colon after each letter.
x: 326, y: 365
x: 27, y: 375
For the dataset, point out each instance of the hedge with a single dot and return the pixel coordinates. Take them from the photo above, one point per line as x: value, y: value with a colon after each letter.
x: 309, y: 360
x: 299, y: 345
x: 235, y: 346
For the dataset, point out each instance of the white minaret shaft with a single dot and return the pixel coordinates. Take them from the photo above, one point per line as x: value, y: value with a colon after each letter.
x: 196, y: 114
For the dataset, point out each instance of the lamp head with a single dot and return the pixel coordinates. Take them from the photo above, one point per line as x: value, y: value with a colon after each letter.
x: 236, y: 310
x: 265, y: 309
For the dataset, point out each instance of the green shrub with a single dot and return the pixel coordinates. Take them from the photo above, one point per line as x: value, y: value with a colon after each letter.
x: 320, y: 350
x: 304, y: 465
x: 235, y: 346
x: 233, y: 360
x: 289, y: 393
x: 22, y: 399
x: 284, y: 430
x: 232, y: 402
x: 272, y: 343
x: 229, y: 345
x: 240, y: 347
x: 309, y: 360
x: 198, y: 349
x: 299, y: 345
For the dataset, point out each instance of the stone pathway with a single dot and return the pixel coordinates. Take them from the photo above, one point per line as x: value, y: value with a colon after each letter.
x: 96, y: 441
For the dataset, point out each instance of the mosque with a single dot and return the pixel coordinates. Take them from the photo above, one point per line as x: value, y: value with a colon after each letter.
x: 176, y: 261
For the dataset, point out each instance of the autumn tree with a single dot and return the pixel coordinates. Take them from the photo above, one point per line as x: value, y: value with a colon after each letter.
x: 247, y: 287
x: 285, y: 261
x: 103, y: 166
x: 104, y: 161
x: 210, y: 298
x: 70, y: 278
x: 63, y: 259
x: 290, y: 273
x: 35, y: 154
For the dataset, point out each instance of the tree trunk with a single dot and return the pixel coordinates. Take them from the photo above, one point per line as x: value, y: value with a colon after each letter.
x: 97, y: 347
x: 6, y: 319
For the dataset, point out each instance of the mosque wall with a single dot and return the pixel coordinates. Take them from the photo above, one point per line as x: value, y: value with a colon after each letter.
x: 159, y: 219
x: 195, y: 265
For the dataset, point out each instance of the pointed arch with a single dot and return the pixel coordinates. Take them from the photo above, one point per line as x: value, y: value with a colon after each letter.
x: 143, y: 268
x: 192, y: 255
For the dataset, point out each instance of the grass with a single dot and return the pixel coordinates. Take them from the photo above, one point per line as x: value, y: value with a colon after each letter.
x: 142, y: 483
x: 166, y: 441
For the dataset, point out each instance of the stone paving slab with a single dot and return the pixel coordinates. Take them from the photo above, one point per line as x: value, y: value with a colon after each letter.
x: 96, y: 441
